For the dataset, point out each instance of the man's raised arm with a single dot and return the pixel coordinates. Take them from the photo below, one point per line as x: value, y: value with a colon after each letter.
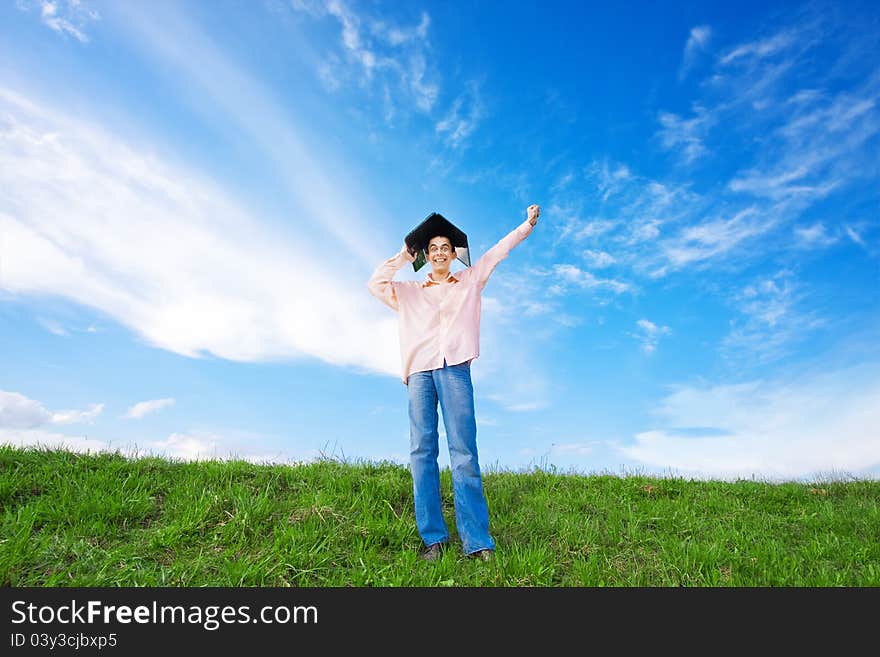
x: 380, y: 284
x: 484, y: 267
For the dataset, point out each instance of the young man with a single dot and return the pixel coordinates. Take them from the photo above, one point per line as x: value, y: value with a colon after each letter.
x: 439, y: 326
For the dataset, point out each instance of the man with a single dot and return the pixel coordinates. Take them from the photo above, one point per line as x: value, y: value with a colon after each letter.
x: 439, y: 326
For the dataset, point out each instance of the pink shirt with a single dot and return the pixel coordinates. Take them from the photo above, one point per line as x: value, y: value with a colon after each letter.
x: 438, y: 321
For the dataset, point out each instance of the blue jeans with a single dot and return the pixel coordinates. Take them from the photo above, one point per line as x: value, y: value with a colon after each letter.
x: 451, y: 386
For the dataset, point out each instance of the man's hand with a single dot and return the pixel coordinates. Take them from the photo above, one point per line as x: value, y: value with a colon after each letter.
x: 407, y: 254
x: 534, y: 212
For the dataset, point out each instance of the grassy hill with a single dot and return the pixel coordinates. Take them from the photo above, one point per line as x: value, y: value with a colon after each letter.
x: 106, y: 520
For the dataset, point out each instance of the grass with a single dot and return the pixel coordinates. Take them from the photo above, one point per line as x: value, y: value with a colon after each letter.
x: 106, y: 520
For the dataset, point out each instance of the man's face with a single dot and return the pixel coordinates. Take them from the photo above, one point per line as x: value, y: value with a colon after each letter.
x: 440, y: 254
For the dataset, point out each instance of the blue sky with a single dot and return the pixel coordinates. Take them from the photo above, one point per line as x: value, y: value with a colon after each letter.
x: 193, y: 196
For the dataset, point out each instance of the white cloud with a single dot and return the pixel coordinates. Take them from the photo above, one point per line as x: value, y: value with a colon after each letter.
x: 854, y: 236
x: 560, y: 454
x: 67, y: 17
x: 141, y: 409
x: 423, y: 90
x: 584, y: 230
x: 169, y: 254
x: 814, y: 236
x: 463, y: 117
x: 573, y: 275
x: 697, y: 42
x: 805, y: 145
x: 23, y: 423
x: 53, y: 327
x: 649, y: 334
x: 187, y: 446
x: 686, y: 135
x: 75, y: 416
x: 807, y: 150
x: 792, y: 427
x: 20, y: 412
x: 51, y: 440
x: 222, y: 89
x: 351, y: 38
x: 643, y: 209
x: 377, y: 52
x: 563, y: 181
x: 762, y: 48
x: 571, y: 449
x: 17, y: 411
x: 714, y: 238
x: 609, y: 179
x: 781, y: 185
x: 396, y: 35
x: 819, y: 146
x: 507, y: 372
x: 598, y: 259
x: 770, y: 321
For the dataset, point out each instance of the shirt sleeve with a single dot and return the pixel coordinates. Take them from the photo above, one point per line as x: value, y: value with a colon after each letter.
x: 380, y: 284
x: 484, y: 267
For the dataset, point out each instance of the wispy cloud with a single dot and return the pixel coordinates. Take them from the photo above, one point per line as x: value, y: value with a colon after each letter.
x: 67, y: 17
x: 524, y: 387
x: 566, y: 275
x: 227, y: 91
x: 854, y: 235
x: 686, y: 136
x: 463, y: 117
x: 760, y: 49
x: 697, y: 43
x: 144, y: 408
x: 815, y: 236
x: 598, y: 259
x: 771, y: 319
x: 648, y: 334
x: 61, y: 328
x: 813, y: 143
x: 54, y: 327
x: 509, y: 371
x: 715, y: 237
x: 578, y: 229
x: 815, y: 423
x: 214, y: 280
x: 627, y: 208
x: 610, y: 179
x: 515, y: 295
x: 395, y: 35
x: 781, y: 184
x: 377, y: 53
x: 820, y: 148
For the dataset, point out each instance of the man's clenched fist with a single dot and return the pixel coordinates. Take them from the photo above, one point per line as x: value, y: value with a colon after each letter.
x: 534, y: 212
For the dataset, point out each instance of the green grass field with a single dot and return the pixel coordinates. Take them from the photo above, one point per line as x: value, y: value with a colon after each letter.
x: 107, y: 520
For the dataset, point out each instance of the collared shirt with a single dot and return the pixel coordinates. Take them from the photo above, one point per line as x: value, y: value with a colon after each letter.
x: 438, y: 321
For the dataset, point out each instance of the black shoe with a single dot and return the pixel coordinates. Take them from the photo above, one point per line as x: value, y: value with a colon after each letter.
x: 483, y: 555
x: 432, y: 552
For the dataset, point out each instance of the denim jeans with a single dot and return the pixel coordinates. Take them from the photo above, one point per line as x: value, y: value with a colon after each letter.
x: 451, y: 386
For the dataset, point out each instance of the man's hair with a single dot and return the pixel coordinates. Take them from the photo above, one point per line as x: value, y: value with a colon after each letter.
x: 446, y: 237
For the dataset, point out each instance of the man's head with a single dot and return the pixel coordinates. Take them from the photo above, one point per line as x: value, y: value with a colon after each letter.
x: 441, y: 254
